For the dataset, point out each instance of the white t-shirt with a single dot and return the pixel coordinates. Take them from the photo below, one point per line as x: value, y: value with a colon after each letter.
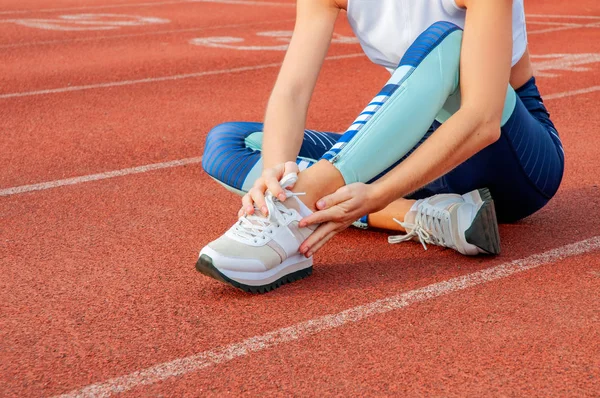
x: 386, y: 28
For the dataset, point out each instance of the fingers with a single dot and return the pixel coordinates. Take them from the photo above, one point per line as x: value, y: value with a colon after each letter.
x: 271, y: 179
x: 247, y: 205
x: 328, y: 211
x: 255, y: 198
x: 318, y: 238
x: 320, y: 217
x: 272, y: 184
x: 341, y: 195
x: 258, y: 198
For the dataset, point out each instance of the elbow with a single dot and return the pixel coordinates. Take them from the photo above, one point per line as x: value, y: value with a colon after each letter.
x: 489, y: 131
x: 485, y: 126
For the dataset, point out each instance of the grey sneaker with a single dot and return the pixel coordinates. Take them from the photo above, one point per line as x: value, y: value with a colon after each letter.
x: 464, y: 223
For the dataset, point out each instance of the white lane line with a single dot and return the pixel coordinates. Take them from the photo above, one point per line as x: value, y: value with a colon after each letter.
x: 98, y: 7
x: 160, y: 79
x: 563, y: 16
x: 247, y: 2
x: 571, y: 93
x: 99, y: 176
x: 564, y: 27
x: 182, y: 366
x: 148, y: 4
x: 157, y: 166
x: 153, y: 33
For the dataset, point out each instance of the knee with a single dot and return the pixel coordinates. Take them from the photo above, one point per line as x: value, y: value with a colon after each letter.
x: 220, y: 133
x: 220, y: 140
x: 226, y: 156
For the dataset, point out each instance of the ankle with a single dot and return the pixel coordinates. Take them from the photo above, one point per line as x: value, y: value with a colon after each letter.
x: 318, y: 181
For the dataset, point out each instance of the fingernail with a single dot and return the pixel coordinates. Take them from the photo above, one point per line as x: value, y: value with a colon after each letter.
x: 264, y: 209
x: 309, y: 254
x: 320, y: 204
x: 303, y: 249
x: 249, y: 209
x: 282, y: 197
x: 302, y: 224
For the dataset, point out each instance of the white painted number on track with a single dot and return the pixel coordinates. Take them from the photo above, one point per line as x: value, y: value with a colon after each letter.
x: 547, y: 65
x: 87, y: 22
x: 282, y: 37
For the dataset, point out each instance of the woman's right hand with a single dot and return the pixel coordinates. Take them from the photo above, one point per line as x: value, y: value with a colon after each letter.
x: 269, y: 180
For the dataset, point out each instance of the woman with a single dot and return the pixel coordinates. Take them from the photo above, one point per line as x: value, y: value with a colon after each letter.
x: 460, y: 120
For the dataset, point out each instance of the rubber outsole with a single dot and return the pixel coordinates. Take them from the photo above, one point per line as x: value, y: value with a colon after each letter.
x: 205, y: 266
x: 483, y: 232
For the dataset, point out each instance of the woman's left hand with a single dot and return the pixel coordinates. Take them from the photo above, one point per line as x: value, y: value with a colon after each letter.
x: 338, y: 211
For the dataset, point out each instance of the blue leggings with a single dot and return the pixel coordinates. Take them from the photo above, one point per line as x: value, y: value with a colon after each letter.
x: 523, y: 169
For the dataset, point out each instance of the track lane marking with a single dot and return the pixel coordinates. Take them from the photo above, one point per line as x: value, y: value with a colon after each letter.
x: 175, y: 163
x: 99, y: 176
x: 160, y: 79
x: 149, y: 4
x: 303, y: 330
x: 571, y: 93
x: 154, y: 33
x: 98, y: 7
x: 564, y: 27
x: 563, y: 16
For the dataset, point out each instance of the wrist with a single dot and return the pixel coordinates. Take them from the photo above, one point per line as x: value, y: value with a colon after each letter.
x: 381, y: 195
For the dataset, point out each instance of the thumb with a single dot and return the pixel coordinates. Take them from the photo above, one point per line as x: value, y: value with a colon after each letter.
x: 290, y: 167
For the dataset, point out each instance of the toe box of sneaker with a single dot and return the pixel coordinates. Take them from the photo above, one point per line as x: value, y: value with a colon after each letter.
x: 231, y: 255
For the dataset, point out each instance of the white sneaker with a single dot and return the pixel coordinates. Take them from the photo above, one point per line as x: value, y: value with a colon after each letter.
x: 464, y: 223
x: 258, y: 254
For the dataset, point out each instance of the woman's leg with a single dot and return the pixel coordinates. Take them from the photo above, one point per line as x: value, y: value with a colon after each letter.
x: 397, y: 119
x: 523, y: 169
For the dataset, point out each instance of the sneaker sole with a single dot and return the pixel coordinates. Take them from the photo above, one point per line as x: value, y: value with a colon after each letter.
x: 205, y: 266
x: 483, y: 232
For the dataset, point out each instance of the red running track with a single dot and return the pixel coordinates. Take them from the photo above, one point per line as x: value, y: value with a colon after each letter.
x: 98, y: 279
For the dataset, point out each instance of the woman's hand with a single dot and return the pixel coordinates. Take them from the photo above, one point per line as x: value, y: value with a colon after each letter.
x: 338, y: 211
x: 268, y: 181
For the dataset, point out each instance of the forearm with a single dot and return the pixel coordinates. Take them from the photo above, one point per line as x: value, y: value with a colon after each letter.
x: 283, y: 129
x: 288, y: 105
x: 459, y: 138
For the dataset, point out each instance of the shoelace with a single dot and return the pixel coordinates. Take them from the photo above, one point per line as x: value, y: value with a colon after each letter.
x: 431, y: 226
x: 255, y: 227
